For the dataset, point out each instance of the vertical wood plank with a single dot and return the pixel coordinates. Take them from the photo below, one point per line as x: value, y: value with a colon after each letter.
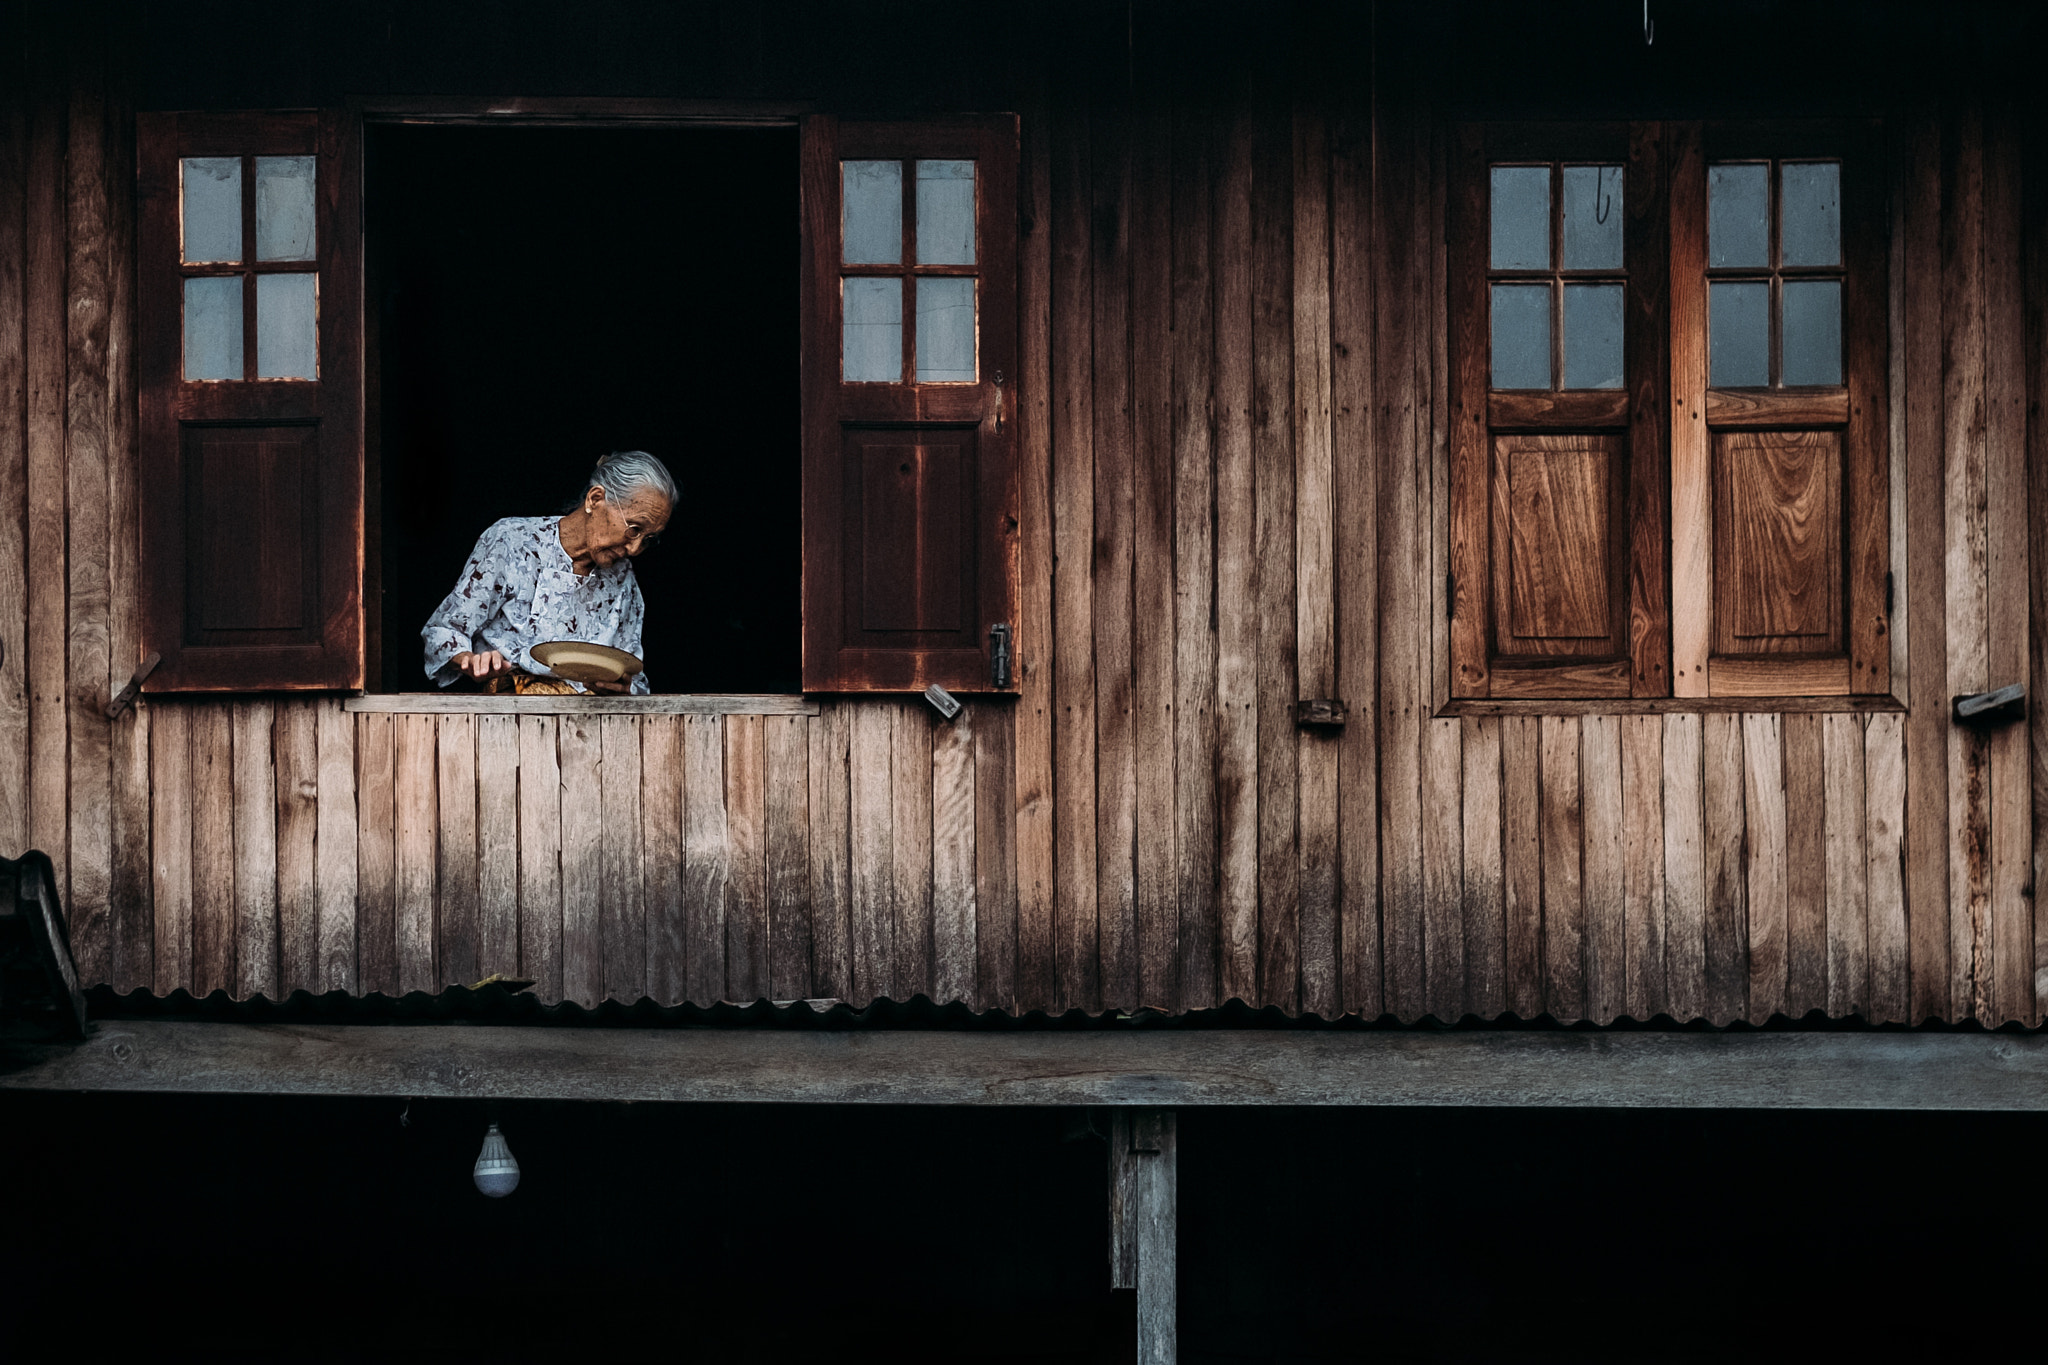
x: 1645, y: 994
x: 1153, y: 618
x: 255, y: 850
x: 2010, y: 832
x: 46, y: 654
x: 1485, y: 901
x: 1927, y: 723
x: 1194, y: 558
x: 1402, y: 598
x: 1237, y: 742
x: 1884, y: 864
x: 1964, y: 569
x: 2035, y: 233
x: 1727, y: 907
x: 831, y: 854
x: 377, y: 889
x: 1848, y: 922
x: 1077, y: 983
x: 1692, y: 513
x: 1806, y: 866
x: 705, y: 857
x: 1600, y: 796
x: 1355, y: 473
x: 171, y: 847
x: 1111, y: 564
x: 910, y: 847
x: 1443, y: 870
x: 297, y: 821
x: 1273, y: 459
x: 579, y: 749
x: 1318, y: 755
x: 1038, y: 702
x: 1521, y: 750
x: 661, y: 853
x: 622, y: 914
x: 87, y: 272
x: 997, y: 889
x: 746, y: 837
x: 15, y: 823
x: 497, y: 840
x: 953, y: 867
x: 1685, y: 866
x: 211, y: 734
x: 1764, y: 815
x: 786, y: 756
x: 1564, y: 911
x: 540, y: 857
x: 335, y: 849
x: 455, y: 822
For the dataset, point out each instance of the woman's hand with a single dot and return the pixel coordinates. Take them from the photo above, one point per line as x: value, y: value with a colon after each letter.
x: 489, y: 664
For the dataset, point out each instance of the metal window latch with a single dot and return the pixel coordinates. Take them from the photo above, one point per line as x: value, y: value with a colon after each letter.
x: 1984, y: 709
x: 999, y: 654
x: 944, y: 702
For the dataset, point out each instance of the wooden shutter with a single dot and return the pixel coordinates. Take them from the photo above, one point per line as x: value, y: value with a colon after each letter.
x: 910, y: 503
x: 1558, y: 521
x: 1783, y: 490
x: 252, y: 486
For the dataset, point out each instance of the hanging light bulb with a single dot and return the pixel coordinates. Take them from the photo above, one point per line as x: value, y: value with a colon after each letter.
x: 497, y: 1171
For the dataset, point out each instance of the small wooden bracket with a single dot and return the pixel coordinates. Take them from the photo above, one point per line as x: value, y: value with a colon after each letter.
x: 125, y: 698
x: 1984, y: 709
x: 1321, y: 713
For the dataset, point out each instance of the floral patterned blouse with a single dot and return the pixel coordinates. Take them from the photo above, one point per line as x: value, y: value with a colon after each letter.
x: 520, y: 589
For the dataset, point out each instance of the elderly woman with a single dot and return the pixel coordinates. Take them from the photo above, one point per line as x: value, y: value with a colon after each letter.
x: 535, y: 579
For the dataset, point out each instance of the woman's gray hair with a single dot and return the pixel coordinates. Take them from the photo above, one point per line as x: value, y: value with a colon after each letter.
x: 624, y: 472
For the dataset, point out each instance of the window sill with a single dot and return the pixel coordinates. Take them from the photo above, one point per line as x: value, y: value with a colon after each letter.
x: 1660, y: 706
x: 479, y: 704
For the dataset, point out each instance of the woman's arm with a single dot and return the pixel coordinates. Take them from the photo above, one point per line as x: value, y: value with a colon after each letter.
x: 450, y: 633
x: 632, y: 615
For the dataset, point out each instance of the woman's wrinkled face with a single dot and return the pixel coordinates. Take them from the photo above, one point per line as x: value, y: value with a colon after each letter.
x: 622, y: 529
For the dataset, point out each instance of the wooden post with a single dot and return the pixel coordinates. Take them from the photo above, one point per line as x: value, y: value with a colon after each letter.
x: 1144, y: 1183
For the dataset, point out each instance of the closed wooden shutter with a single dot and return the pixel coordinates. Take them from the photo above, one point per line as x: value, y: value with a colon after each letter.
x: 250, y: 356
x: 909, y: 391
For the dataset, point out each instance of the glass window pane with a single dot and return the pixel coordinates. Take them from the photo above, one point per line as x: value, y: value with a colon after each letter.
x: 212, y: 209
x: 1813, y: 331
x: 1592, y: 336
x: 873, y: 195
x: 1521, y: 217
x: 1738, y: 334
x: 945, y: 212
x: 284, y: 208
x: 1738, y: 214
x: 1521, y: 336
x: 1592, y: 220
x: 287, y: 326
x: 1810, y: 226
x: 945, y: 330
x: 213, y: 327
x: 872, y: 329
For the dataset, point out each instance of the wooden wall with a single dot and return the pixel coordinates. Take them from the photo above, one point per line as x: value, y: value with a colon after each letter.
x: 1234, y: 498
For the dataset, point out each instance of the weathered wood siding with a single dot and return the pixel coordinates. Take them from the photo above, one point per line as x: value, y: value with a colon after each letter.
x: 1234, y: 498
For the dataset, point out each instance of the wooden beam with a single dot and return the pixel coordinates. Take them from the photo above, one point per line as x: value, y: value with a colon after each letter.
x: 1144, y: 1209
x: 1178, y: 1067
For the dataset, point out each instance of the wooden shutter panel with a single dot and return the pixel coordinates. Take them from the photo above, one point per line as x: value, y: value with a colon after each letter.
x: 910, y: 501
x: 252, y: 487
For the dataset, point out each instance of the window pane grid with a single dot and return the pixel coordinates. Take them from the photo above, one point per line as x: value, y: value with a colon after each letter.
x: 251, y: 220
x: 1774, y: 322
x: 933, y: 212
x: 1556, y: 227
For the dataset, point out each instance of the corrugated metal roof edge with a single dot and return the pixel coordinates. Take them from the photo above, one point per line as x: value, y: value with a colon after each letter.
x: 493, y: 1004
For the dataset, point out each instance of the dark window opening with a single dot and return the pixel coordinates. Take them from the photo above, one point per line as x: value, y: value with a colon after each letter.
x: 542, y: 296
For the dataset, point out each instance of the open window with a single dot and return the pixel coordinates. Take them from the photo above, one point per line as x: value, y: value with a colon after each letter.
x: 910, y: 337
x: 1669, y: 466
x: 250, y: 361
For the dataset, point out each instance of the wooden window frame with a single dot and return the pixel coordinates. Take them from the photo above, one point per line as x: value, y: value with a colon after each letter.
x: 326, y: 652
x: 1669, y: 416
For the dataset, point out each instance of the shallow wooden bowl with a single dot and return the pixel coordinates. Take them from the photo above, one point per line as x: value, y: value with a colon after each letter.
x: 584, y: 662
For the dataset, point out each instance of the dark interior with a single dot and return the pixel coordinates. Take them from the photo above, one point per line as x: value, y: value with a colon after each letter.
x: 543, y: 296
